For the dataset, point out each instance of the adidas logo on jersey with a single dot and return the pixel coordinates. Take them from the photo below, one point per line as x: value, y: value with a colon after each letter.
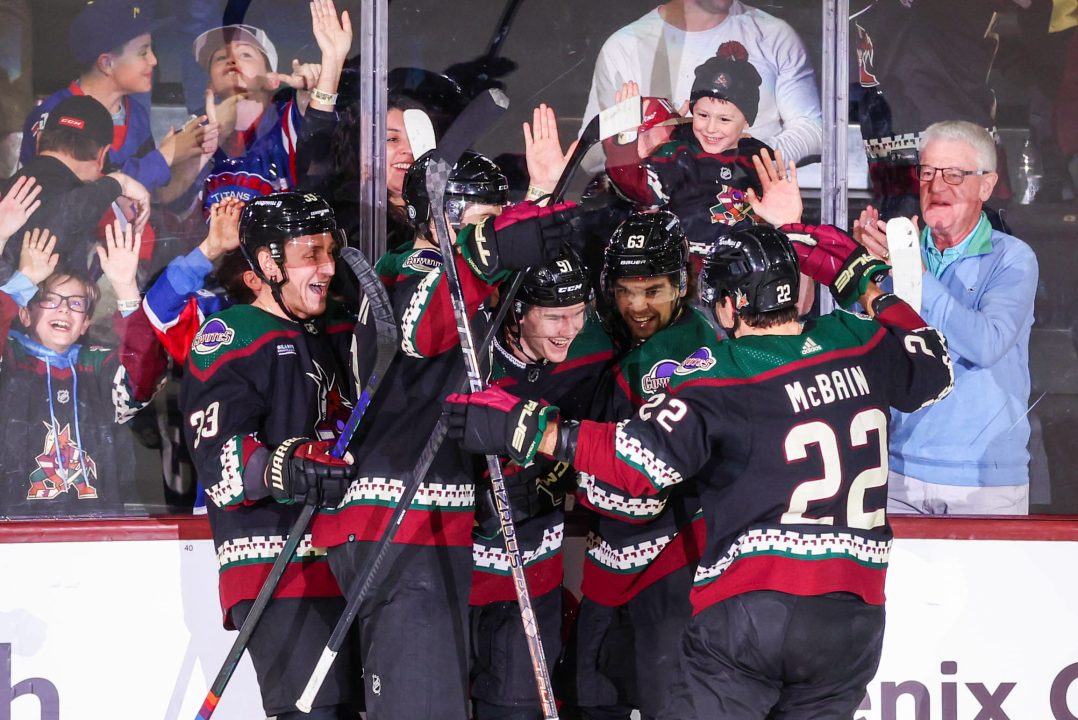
x: 810, y: 346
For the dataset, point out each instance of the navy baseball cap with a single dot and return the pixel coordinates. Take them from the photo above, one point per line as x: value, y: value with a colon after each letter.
x: 84, y: 115
x: 103, y: 25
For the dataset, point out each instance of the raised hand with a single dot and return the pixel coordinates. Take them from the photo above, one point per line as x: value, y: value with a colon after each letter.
x: 781, y: 201
x: 119, y: 258
x: 17, y: 206
x: 333, y: 34
x: 224, y: 233
x: 542, y: 149
x: 185, y: 143
x: 37, y: 260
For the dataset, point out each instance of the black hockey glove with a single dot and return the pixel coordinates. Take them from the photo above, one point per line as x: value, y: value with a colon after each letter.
x: 522, y: 491
x: 522, y: 236
x: 494, y: 422
x: 301, y: 470
x: 831, y: 257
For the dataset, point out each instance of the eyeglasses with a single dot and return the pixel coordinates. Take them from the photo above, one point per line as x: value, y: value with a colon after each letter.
x: 76, y: 303
x: 951, y: 176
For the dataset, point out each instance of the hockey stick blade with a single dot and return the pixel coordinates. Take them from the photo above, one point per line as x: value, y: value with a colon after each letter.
x: 469, y: 126
x: 387, y: 339
x: 610, y: 122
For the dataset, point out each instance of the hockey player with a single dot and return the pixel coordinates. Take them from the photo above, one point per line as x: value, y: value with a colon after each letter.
x: 414, y: 627
x: 549, y: 349
x: 704, y: 173
x: 266, y: 388
x: 640, y: 556
x: 785, y: 433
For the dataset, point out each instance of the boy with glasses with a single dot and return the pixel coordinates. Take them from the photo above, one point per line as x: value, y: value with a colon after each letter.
x: 60, y: 452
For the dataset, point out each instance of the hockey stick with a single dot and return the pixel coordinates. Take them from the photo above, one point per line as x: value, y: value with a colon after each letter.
x: 377, y: 302
x: 469, y: 126
x: 437, y: 179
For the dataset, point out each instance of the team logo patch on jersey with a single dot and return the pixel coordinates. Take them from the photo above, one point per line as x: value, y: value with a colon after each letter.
x: 424, y: 261
x: 702, y: 359
x: 732, y: 206
x: 213, y: 335
x: 658, y: 378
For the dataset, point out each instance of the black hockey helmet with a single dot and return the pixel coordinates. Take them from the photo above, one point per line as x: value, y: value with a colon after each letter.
x: 756, y: 266
x: 474, y: 179
x: 646, y: 244
x: 560, y: 283
x: 271, y: 220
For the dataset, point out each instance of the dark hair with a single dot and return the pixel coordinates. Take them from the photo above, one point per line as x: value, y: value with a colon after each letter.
x: 229, y: 275
x: 771, y: 318
x: 75, y: 143
x: 93, y: 293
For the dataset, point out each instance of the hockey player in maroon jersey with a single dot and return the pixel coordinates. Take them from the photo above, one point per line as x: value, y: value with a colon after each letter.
x: 549, y: 349
x: 423, y: 585
x: 267, y: 387
x: 785, y: 434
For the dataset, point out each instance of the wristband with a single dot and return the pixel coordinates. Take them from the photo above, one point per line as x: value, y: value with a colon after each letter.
x: 128, y: 305
x: 565, y: 449
x: 322, y: 97
x: 534, y: 193
x: 882, y: 302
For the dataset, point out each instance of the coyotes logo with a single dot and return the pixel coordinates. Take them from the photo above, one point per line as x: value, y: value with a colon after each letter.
x: 732, y: 206
x: 333, y: 408
x: 61, y: 466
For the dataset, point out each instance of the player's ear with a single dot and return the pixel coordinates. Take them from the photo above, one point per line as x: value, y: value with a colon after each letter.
x: 268, y: 265
x: 24, y: 316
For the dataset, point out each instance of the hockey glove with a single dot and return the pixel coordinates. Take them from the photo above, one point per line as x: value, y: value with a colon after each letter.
x: 831, y: 257
x: 494, y: 422
x: 301, y: 470
x: 522, y: 236
x: 522, y: 493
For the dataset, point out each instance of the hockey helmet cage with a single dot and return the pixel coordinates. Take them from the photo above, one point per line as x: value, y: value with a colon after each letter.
x: 474, y: 179
x: 646, y: 244
x: 560, y: 283
x: 271, y: 220
x: 756, y: 266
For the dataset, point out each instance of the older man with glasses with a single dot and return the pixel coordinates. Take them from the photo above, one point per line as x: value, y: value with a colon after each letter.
x: 967, y: 453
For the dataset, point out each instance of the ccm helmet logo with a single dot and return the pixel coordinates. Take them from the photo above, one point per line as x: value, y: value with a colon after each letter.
x: 71, y: 122
x: 521, y: 430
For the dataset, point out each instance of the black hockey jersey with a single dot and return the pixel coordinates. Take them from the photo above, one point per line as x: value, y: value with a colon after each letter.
x: 705, y: 190
x: 405, y: 410
x: 569, y: 385
x: 64, y: 450
x: 637, y: 541
x: 786, y: 438
x: 254, y: 380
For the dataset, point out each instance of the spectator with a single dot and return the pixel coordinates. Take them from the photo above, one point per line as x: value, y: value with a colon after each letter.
x: 966, y: 454
x: 60, y: 451
x: 662, y: 50
x: 111, y: 41
x: 75, y: 196
x: 267, y: 145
